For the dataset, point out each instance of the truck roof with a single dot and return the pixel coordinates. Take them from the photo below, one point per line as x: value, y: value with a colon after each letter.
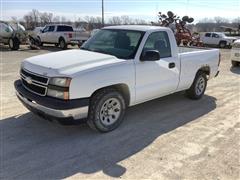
x: 58, y: 25
x: 136, y: 27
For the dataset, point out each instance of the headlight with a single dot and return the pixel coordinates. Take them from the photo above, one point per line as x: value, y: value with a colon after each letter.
x: 58, y: 94
x: 60, y: 81
x: 59, y: 87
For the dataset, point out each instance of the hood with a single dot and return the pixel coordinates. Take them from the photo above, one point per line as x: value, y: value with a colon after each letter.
x: 68, y: 62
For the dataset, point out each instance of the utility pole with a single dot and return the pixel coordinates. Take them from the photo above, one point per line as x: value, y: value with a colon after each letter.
x: 103, y: 13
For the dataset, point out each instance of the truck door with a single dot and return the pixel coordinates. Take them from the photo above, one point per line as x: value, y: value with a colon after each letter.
x: 215, y: 38
x: 157, y: 78
x: 43, y: 34
x: 207, y: 39
x: 50, y: 34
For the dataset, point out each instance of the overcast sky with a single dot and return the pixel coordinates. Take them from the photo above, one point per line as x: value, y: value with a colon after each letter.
x: 143, y: 9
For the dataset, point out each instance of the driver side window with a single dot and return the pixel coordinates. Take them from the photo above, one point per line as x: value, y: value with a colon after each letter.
x: 45, y: 29
x: 159, y: 41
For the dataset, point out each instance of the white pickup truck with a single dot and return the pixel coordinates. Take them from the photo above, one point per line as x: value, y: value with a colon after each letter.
x: 62, y: 35
x: 118, y: 67
x: 235, y: 53
x: 217, y: 39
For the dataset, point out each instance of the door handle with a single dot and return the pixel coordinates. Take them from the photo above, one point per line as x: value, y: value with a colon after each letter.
x: 171, y: 65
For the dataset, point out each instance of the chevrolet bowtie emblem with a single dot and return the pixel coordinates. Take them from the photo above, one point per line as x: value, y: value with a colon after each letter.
x: 28, y: 80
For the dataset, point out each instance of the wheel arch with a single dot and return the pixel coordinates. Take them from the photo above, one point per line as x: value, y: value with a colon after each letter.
x: 61, y: 38
x: 121, y: 88
x: 205, y: 69
x: 222, y: 41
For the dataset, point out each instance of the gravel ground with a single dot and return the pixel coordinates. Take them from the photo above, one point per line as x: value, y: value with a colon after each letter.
x: 167, y: 138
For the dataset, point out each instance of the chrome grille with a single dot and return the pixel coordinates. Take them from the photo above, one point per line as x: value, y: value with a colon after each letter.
x: 34, y: 82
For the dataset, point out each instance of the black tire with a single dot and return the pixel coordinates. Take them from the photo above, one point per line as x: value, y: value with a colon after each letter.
x: 222, y: 44
x: 14, y: 43
x: 97, y: 119
x: 198, y: 87
x: 62, y: 43
x: 235, y: 63
x: 39, y: 41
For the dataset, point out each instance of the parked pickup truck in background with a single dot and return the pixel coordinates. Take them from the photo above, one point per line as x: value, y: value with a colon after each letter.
x: 235, y: 53
x: 118, y: 67
x: 218, y: 39
x: 62, y: 35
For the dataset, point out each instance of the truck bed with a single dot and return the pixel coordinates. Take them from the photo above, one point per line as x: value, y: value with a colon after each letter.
x: 183, y: 49
x: 192, y: 59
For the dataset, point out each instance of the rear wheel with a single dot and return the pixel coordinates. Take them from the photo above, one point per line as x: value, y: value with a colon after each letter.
x: 62, y: 43
x: 222, y: 44
x: 234, y: 63
x: 198, y: 87
x: 14, y: 43
x: 106, y: 110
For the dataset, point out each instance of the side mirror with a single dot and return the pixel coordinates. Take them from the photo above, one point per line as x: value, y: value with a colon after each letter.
x: 150, y: 55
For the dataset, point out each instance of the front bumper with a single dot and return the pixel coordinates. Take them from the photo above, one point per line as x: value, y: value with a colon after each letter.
x: 52, y: 108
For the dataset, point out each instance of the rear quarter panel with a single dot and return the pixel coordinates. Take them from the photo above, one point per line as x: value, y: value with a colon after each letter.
x: 191, y: 62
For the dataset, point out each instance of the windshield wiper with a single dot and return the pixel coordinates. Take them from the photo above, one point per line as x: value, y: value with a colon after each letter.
x: 98, y: 50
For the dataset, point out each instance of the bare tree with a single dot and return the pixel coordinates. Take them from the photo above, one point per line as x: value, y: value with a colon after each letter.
x: 45, y: 18
x: 126, y: 20
x: 115, y: 20
x: 206, y: 20
x: 28, y: 21
x: 56, y: 19
x: 220, y: 20
x: 140, y: 21
x: 236, y: 20
x: 35, y: 16
x: 63, y: 19
x: 77, y: 23
x: 93, y: 22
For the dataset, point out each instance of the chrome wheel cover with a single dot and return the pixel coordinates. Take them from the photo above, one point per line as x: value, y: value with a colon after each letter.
x: 62, y: 44
x: 200, y: 85
x: 110, y: 111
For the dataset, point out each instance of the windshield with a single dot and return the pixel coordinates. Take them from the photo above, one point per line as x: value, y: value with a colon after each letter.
x: 119, y: 43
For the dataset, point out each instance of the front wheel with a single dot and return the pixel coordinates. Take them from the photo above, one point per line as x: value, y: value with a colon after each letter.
x: 107, y: 109
x: 39, y: 41
x: 198, y: 87
x: 14, y: 43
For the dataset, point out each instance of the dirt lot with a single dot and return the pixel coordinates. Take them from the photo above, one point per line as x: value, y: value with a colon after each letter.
x: 168, y: 138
